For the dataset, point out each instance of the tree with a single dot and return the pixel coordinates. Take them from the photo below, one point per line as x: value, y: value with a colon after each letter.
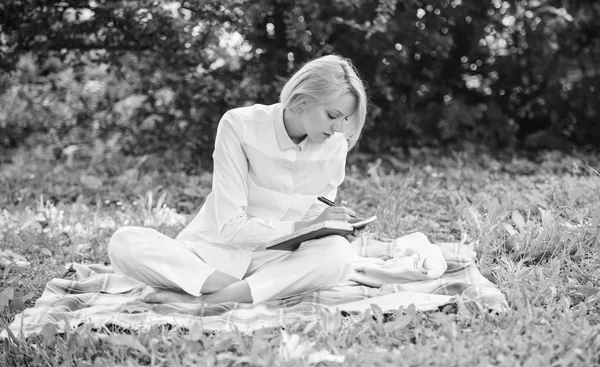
x: 439, y: 72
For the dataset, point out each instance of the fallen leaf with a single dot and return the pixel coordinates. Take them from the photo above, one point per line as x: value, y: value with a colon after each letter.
x: 511, y: 231
x: 325, y: 356
x: 588, y: 291
x: 193, y: 192
x: 310, y: 326
x: 32, y: 224
x: 91, y: 182
x: 14, y: 255
x: 4, y: 262
x: 21, y: 263
x: 6, y: 295
x: 48, y: 333
x: 292, y: 347
x: 129, y: 342
x: 518, y: 220
x: 6, y: 270
x: 46, y: 252
x: 17, y: 304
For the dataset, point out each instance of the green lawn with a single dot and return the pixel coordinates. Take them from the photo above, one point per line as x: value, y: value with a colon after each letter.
x: 535, y: 226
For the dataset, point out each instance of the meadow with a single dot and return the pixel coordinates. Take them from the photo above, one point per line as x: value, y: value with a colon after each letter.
x: 534, y: 222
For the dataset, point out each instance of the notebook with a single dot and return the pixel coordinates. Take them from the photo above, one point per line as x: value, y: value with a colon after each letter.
x: 327, y: 228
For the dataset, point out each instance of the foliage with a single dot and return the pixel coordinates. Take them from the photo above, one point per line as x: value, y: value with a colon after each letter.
x: 535, y: 226
x: 157, y: 75
x: 143, y: 73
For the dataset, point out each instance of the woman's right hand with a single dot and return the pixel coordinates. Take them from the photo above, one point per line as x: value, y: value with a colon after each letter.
x: 330, y: 213
x: 335, y: 213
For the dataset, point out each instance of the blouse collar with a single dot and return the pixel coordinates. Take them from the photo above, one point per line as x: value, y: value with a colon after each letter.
x: 284, y: 140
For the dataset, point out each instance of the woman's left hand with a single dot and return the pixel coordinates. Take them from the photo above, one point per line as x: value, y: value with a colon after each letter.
x: 357, y: 233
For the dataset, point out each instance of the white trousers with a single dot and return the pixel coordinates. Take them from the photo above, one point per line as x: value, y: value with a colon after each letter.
x: 162, y: 262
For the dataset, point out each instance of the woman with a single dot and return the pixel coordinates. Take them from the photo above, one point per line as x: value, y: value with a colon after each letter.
x: 270, y: 165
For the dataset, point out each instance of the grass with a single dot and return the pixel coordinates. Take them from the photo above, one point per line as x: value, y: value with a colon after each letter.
x: 535, y: 226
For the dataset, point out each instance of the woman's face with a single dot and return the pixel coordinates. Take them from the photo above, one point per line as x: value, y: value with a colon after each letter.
x: 322, y: 120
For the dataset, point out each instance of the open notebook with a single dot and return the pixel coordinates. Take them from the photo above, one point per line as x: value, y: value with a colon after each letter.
x: 327, y: 228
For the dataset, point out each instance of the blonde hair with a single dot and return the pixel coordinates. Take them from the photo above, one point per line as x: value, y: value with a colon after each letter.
x: 322, y: 80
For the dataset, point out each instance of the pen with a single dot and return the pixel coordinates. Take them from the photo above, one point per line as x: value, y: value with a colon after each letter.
x: 324, y: 200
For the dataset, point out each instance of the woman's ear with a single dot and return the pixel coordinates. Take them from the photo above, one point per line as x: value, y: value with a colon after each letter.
x: 298, y: 107
x: 301, y: 105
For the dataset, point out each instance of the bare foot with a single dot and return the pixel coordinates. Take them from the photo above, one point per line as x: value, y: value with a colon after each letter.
x: 161, y: 296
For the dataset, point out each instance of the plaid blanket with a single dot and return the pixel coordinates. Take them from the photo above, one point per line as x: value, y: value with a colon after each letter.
x: 94, y: 294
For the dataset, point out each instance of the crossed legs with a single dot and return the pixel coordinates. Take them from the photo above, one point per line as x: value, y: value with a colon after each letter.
x: 179, y: 274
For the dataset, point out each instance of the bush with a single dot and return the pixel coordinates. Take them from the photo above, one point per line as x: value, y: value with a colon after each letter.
x: 158, y: 76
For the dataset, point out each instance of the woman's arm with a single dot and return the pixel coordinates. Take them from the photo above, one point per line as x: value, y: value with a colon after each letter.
x: 230, y: 191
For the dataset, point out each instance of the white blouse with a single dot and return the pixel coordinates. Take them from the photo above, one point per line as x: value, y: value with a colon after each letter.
x: 262, y: 183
